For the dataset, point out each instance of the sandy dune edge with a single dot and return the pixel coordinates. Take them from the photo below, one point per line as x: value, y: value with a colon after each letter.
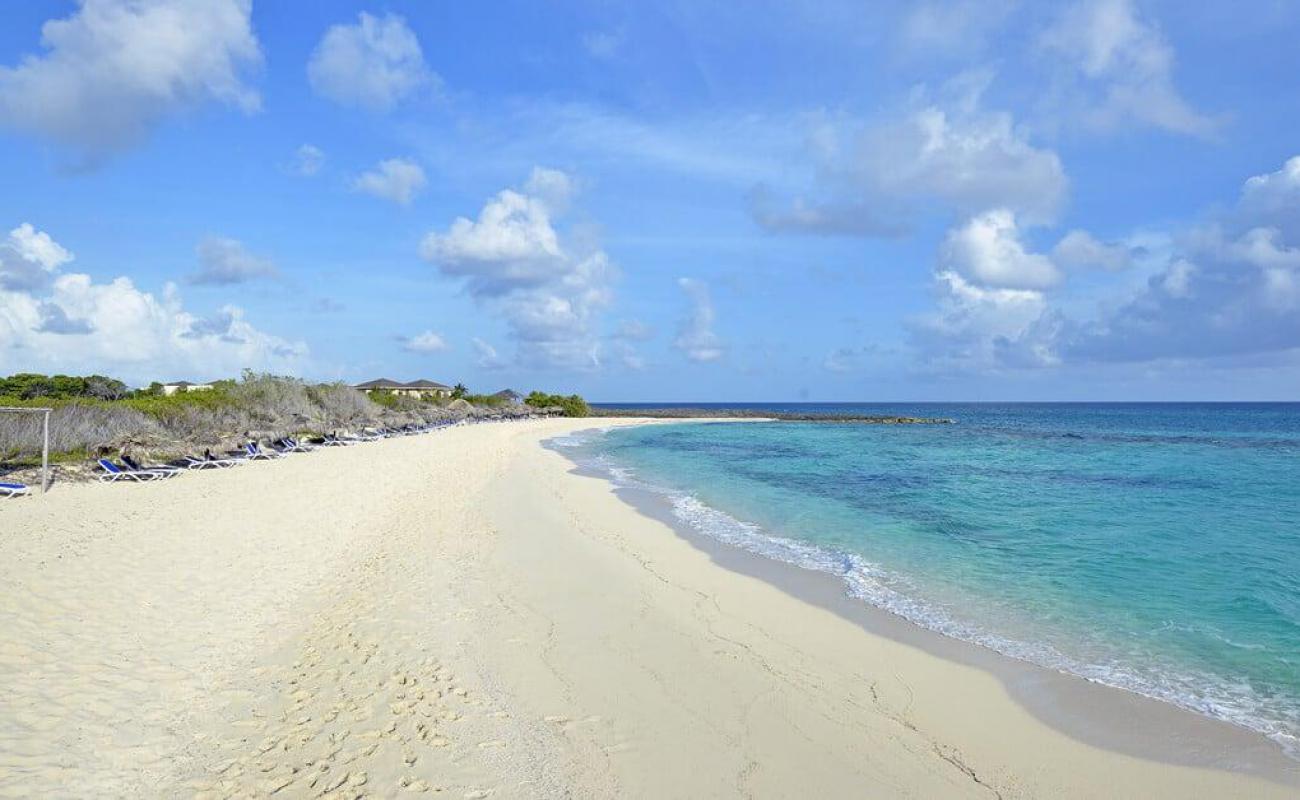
x: 458, y: 615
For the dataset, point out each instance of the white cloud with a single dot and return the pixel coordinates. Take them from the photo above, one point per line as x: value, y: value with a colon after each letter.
x: 115, y: 68
x: 514, y: 261
x: 396, y: 179
x: 427, y: 342
x: 29, y: 258
x: 512, y: 240
x: 949, y: 149
x: 1229, y: 289
x: 987, y: 250
x: 1121, y: 69
x: 1079, y: 249
x: 77, y: 325
x: 487, y: 355
x: 374, y: 64
x: 307, y: 161
x: 1273, y: 199
x: 223, y: 262
x: 982, y: 329
x: 696, y: 337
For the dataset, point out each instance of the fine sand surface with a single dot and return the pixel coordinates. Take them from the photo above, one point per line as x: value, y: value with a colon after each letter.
x: 460, y: 615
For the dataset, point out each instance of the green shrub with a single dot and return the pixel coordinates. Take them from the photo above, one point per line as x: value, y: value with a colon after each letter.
x: 572, y: 405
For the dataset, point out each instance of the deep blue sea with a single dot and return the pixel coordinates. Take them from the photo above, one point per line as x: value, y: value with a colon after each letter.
x: 1153, y: 547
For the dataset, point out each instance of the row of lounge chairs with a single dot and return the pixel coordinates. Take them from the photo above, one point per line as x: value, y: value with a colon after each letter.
x: 133, y: 472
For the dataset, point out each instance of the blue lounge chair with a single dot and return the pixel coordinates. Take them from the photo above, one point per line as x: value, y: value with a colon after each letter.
x: 12, y: 489
x: 114, y: 473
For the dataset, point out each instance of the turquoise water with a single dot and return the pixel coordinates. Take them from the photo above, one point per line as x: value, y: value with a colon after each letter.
x: 1150, y: 547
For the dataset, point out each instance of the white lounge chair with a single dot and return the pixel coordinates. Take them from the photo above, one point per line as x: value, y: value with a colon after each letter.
x: 169, y: 471
x: 255, y: 452
x: 114, y: 473
x: 8, y: 489
x: 212, y: 463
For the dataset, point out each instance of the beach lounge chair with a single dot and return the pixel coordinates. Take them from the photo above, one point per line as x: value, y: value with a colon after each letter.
x: 255, y: 452
x: 131, y: 466
x: 8, y: 489
x: 212, y: 463
x: 113, y: 473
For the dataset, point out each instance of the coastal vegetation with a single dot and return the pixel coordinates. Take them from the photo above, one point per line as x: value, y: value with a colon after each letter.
x: 94, y: 415
x: 572, y: 405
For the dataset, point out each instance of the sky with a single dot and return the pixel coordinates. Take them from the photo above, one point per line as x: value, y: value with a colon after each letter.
x: 672, y: 201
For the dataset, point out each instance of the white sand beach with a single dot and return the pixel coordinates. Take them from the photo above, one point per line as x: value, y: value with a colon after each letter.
x: 460, y: 615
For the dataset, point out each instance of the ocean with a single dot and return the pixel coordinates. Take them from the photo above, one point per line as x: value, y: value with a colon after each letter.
x: 1151, y: 547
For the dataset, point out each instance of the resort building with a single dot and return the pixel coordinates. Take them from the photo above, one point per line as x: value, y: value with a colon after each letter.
x: 172, y: 388
x: 420, y: 388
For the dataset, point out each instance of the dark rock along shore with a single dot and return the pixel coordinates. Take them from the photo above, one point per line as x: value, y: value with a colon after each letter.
x: 749, y: 413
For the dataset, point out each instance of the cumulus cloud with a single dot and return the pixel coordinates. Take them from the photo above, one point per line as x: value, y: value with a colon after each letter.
x: 307, y: 161
x: 696, y: 337
x: 513, y: 260
x: 55, y: 320
x: 136, y: 334
x: 396, y: 179
x: 487, y: 356
x: 988, y: 250
x: 1079, y: 249
x: 1229, y: 288
x: 29, y: 258
x: 1273, y: 198
x: 1232, y: 288
x: 1120, y: 69
x: 427, y: 342
x: 948, y: 149
x: 375, y: 64
x: 978, y: 328
x: 223, y: 262
x: 114, y: 69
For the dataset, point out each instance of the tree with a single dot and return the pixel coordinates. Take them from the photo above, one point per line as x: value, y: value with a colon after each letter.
x: 459, y: 391
x: 102, y: 388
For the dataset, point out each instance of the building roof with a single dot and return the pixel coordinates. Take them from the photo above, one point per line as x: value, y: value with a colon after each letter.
x: 385, y: 383
x: 379, y: 383
x: 509, y: 394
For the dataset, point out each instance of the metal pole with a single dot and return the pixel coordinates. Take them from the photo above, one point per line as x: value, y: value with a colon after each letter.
x: 45, y: 455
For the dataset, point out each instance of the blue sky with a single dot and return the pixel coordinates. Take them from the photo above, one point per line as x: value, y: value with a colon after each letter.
x: 672, y: 201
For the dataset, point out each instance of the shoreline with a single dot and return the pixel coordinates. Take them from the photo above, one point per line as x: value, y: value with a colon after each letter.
x: 481, y: 623
x: 1099, y: 714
